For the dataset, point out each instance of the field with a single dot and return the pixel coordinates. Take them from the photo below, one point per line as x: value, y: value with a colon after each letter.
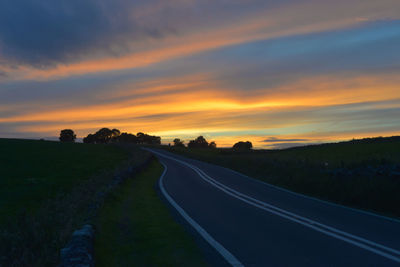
x: 135, y: 228
x: 363, y: 174
x: 34, y: 171
x: 49, y: 189
x: 45, y: 190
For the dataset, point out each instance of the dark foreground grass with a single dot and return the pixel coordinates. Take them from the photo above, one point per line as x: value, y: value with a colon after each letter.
x: 361, y: 173
x: 136, y: 229
x: 46, y: 191
x: 34, y: 171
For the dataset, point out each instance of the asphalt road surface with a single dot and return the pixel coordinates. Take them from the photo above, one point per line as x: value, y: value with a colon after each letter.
x: 251, y: 223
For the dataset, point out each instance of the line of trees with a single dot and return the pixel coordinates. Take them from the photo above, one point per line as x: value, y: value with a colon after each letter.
x: 106, y: 135
x: 201, y: 142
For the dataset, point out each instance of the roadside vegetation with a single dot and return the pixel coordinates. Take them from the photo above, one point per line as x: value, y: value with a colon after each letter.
x: 363, y: 173
x: 135, y: 228
x: 46, y: 189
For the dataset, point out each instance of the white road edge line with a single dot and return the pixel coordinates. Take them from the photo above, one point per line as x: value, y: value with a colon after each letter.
x: 333, y: 232
x: 217, y: 246
x: 312, y: 198
x: 279, y: 210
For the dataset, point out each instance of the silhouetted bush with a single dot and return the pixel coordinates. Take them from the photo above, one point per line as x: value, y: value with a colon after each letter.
x: 178, y: 142
x: 148, y: 139
x: 199, y: 142
x: 242, y: 146
x: 212, y: 144
x: 103, y: 135
x: 67, y: 135
x: 90, y: 139
x: 127, y: 138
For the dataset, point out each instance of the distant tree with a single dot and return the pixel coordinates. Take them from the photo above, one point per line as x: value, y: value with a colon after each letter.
x: 178, y: 142
x: 141, y: 137
x: 103, y: 136
x: 90, y: 139
x: 212, y: 144
x: 127, y: 138
x: 199, y: 142
x: 115, y: 133
x: 148, y: 139
x: 242, y: 146
x: 156, y: 140
x: 67, y: 135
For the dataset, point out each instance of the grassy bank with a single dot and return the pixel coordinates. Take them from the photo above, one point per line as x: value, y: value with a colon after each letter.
x: 136, y: 229
x: 362, y: 173
x: 46, y: 189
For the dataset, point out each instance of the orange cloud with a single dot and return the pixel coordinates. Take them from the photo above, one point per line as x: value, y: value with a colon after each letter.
x: 204, y: 110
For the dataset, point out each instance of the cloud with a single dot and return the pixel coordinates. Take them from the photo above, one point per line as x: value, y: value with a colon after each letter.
x: 86, y: 36
x: 305, y: 109
x: 46, y: 33
x: 283, y: 140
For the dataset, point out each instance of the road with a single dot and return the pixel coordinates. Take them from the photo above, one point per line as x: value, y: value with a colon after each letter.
x: 251, y: 223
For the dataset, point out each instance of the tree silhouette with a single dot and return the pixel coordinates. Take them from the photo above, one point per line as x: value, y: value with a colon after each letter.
x: 148, y: 139
x: 199, y: 142
x: 90, y: 139
x: 127, y: 138
x: 242, y: 146
x: 178, y: 143
x: 115, y: 133
x: 212, y: 144
x: 67, y: 135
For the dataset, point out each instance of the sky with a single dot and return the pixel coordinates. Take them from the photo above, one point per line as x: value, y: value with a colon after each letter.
x: 276, y: 73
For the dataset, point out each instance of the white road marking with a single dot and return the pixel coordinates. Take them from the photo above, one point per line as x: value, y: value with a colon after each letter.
x: 312, y: 198
x: 331, y: 231
x: 221, y: 250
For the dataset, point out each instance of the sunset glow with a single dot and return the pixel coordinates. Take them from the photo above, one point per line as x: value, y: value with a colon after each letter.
x: 277, y: 74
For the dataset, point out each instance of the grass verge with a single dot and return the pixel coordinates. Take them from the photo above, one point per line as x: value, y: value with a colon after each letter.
x: 364, y: 174
x: 135, y: 228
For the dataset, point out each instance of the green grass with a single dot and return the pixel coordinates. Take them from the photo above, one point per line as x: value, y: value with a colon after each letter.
x: 135, y: 228
x: 363, y: 174
x: 46, y: 189
x: 34, y: 171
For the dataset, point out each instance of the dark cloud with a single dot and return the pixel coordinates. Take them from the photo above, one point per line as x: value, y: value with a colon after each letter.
x: 42, y: 33
x: 278, y: 140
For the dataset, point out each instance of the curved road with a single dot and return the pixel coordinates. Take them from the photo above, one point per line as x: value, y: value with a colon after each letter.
x: 251, y: 223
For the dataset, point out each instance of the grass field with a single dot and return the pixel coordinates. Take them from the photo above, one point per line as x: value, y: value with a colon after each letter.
x: 34, y: 171
x: 46, y: 188
x: 361, y: 173
x: 136, y: 229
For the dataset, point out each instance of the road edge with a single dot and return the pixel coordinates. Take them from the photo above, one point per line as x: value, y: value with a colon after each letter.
x: 222, y: 251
